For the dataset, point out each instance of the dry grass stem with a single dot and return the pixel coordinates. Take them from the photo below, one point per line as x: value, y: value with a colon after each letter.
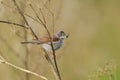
x: 3, y: 61
x: 6, y: 22
x: 22, y: 15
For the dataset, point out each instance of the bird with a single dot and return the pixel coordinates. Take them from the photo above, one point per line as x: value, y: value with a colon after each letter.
x: 57, y: 41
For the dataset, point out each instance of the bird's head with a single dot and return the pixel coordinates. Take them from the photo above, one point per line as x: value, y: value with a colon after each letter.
x: 62, y: 35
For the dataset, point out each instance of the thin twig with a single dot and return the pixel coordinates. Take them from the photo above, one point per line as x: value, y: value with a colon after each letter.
x: 27, y: 53
x: 32, y: 18
x: 20, y: 12
x: 20, y: 25
x: 49, y: 59
x: 51, y: 64
x: 52, y: 14
x: 25, y: 32
x: 37, y: 15
x: 26, y: 56
x: 2, y: 60
x: 10, y: 48
x: 42, y: 15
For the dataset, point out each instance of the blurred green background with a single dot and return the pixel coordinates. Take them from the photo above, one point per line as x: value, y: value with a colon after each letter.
x: 90, y: 53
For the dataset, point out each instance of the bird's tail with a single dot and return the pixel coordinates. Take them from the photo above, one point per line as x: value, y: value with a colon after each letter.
x: 31, y: 42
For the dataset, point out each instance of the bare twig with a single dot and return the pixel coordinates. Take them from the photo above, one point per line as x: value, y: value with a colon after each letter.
x: 19, y: 10
x: 22, y: 12
x: 26, y: 48
x: 42, y: 15
x: 52, y: 14
x: 3, y: 61
x: 52, y: 65
x: 10, y: 48
x: 13, y: 23
x: 32, y: 18
x: 26, y: 56
x: 37, y: 15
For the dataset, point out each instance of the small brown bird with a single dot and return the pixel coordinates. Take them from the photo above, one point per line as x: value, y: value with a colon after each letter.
x: 57, y: 41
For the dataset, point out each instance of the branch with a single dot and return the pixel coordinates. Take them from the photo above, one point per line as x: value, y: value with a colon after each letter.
x: 3, y: 61
x: 26, y: 56
x: 37, y: 15
x: 42, y: 15
x: 54, y: 55
x: 20, y: 25
x: 21, y: 13
x: 52, y: 65
x: 32, y: 18
x: 52, y: 14
x: 24, y: 18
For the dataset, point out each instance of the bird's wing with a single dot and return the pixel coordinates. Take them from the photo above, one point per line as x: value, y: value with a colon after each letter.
x: 42, y: 40
x: 46, y: 39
